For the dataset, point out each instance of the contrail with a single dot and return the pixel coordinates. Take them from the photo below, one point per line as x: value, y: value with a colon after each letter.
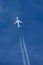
x: 25, y: 50
x: 24, y: 61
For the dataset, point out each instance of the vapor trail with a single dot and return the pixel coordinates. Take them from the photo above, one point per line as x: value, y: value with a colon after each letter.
x: 25, y: 50
x: 24, y: 61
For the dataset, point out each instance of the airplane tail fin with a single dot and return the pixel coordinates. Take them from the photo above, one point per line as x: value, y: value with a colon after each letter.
x: 19, y: 25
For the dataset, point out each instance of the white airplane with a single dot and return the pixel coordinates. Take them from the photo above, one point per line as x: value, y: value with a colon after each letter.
x: 18, y: 22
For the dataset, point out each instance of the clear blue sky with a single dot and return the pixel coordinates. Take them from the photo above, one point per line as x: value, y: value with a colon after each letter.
x: 31, y: 13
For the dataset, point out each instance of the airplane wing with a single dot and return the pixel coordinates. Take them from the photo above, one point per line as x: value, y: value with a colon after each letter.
x: 20, y: 21
x: 15, y: 22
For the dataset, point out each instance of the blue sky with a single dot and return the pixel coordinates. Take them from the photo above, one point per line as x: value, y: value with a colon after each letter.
x: 31, y: 13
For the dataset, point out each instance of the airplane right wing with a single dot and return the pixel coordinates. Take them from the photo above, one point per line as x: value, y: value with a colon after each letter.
x: 15, y: 22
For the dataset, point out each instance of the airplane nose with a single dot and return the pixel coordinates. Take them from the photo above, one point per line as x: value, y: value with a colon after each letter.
x: 17, y: 18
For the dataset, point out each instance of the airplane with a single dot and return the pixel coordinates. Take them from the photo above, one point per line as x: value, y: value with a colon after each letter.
x: 18, y: 22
